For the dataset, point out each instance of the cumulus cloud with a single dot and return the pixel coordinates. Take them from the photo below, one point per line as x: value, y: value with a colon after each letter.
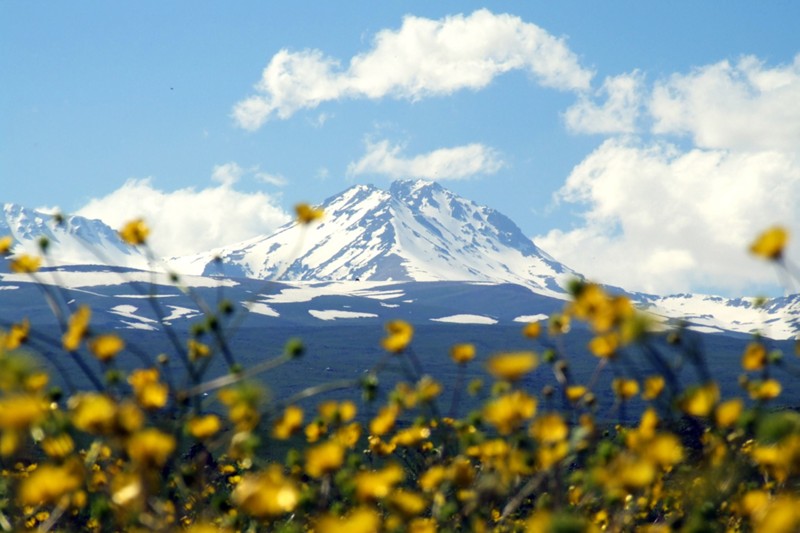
x: 455, y: 163
x: 189, y: 220
x: 423, y: 58
x: 617, y: 114
x: 662, y: 220
x: 742, y: 106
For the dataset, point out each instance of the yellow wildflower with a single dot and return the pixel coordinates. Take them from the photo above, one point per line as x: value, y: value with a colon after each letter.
x: 203, y: 427
x: 324, y: 458
x: 348, y: 435
x: 25, y: 264
x: 48, y: 483
x: 770, y: 244
x: 77, y: 328
x: 432, y: 478
x: 549, y: 428
x: 58, y: 446
x: 360, y: 520
x: 379, y: 447
x: 399, y: 336
x: 511, y: 366
x: 21, y: 411
x: 575, y: 392
x: 150, y: 447
x: 93, y: 412
x: 268, y: 493
x: 307, y: 214
x: 605, y: 345
x: 625, y: 388
x: 17, y: 335
x: 532, y: 330
x: 376, y: 485
x: 197, y: 350
x: 106, y: 347
x: 336, y: 412
x: 407, y: 503
x: 699, y: 401
x: 507, y: 412
x: 149, y: 392
x: 427, y: 389
x: 289, y: 423
x: 5, y: 244
x: 384, y: 421
x: 767, y: 389
x: 728, y: 412
x: 462, y: 353
x: 755, y: 356
x: 411, y: 436
x: 653, y: 387
x: 135, y: 232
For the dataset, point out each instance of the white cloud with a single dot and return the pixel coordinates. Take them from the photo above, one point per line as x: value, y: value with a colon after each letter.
x: 423, y: 58
x: 227, y: 174
x: 746, y: 106
x: 443, y: 164
x: 619, y: 112
x: 272, y: 179
x: 663, y: 220
x: 188, y: 221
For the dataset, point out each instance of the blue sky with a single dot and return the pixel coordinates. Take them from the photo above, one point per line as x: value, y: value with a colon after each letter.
x: 641, y: 143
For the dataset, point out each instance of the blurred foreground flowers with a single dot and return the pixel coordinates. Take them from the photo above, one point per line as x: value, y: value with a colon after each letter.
x: 149, y: 449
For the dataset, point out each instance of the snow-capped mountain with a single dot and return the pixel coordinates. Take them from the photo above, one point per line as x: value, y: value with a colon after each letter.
x: 73, y: 240
x: 415, y: 231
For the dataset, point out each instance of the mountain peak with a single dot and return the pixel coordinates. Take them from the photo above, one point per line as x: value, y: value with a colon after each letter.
x: 417, y: 231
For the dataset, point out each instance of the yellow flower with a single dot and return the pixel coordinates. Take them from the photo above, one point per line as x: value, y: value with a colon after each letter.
x: 755, y: 356
x: 289, y: 424
x: 728, y: 412
x: 17, y: 335
x: 549, y: 429
x: 399, y: 336
x: 765, y: 390
x: 5, y: 244
x: 149, y: 392
x: 93, y: 412
x: 348, y: 435
x: 575, y: 392
x: 268, y: 493
x: 427, y: 389
x: 407, y: 503
x: 411, y: 436
x: 360, y: 520
x: 507, y: 412
x: 770, y: 244
x: 198, y: 350
x: 307, y: 214
x: 324, y: 458
x: 135, y: 232
x: 106, y: 347
x: 58, y: 446
x: 48, y: 483
x: 699, y: 401
x: 77, y: 328
x: 203, y: 427
x: 664, y: 449
x: 379, y: 447
x: 532, y: 330
x: 511, y: 366
x: 384, y: 421
x: 150, y: 447
x: 433, y: 478
x: 653, y: 386
x: 21, y: 411
x: 625, y: 388
x: 25, y: 264
x: 462, y: 353
x: 376, y: 485
x: 335, y: 412
x: 604, y: 345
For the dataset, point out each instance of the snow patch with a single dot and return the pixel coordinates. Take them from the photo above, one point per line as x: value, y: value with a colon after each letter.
x: 260, y: 308
x: 466, y: 319
x: 531, y: 318
x: 333, y: 314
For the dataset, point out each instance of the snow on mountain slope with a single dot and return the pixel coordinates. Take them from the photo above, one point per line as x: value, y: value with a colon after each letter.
x: 76, y: 240
x: 416, y: 231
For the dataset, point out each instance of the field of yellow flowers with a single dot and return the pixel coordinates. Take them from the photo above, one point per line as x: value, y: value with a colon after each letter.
x: 145, y: 449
